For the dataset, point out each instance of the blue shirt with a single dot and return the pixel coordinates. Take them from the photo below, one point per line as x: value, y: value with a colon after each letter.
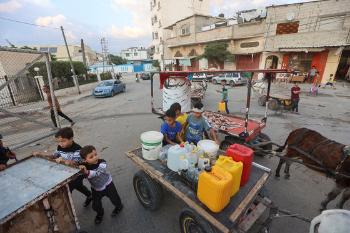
x: 169, y: 131
x: 196, y: 128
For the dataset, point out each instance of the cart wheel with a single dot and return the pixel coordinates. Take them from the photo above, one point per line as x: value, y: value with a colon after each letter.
x: 191, y: 222
x: 148, y: 191
x: 262, y: 100
x: 273, y: 104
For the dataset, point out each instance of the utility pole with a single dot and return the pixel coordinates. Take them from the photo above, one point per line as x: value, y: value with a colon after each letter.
x: 70, y: 61
x: 84, y: 57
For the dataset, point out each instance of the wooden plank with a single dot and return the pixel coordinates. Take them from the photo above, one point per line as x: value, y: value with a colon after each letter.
x: 249, y: 198
x: 158, y: 177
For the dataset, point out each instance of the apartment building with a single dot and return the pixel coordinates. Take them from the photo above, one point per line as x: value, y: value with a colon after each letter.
x: 135, y: 54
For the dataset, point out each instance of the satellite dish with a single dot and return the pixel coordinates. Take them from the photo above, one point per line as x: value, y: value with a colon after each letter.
x: 290, y: 16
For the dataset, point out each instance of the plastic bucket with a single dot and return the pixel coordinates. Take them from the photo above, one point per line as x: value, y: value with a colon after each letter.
x: 151, y: 142
x: 209, y: 147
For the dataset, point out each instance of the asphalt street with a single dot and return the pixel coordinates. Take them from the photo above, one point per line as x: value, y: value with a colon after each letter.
x: 114, y: 125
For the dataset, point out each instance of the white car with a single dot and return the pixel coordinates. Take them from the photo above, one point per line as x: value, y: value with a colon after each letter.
x: 233, y: 79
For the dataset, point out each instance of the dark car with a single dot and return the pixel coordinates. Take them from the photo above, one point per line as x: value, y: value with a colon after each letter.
x: 145, y: 76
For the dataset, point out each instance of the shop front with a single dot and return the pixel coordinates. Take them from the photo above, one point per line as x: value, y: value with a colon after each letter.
x: 248, y: 61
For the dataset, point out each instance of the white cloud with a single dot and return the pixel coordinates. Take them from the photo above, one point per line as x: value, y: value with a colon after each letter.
x: 39, y: 2
x: 139, y: 25
x: 10, y: 6
x: 56, y: 20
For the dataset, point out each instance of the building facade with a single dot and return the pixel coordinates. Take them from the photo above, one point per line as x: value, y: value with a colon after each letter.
x: 135, y: 54
x: 163, y: 14
x: 187, y: 38
x: 75, y: 51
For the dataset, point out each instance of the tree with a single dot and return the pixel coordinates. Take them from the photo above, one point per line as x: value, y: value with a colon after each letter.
x: 217, y: 51
x: 117, y: 60
x: 156, y: 64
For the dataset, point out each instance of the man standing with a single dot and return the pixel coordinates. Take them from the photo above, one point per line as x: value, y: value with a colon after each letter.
x: 312, y: 73
x: 224, y: 93
x: 295, y: 91
x: 50, y: 100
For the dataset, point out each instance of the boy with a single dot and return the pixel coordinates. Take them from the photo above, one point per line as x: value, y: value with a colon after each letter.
x: 224, y: 97
x: 68, y: 152
x: 180, y: 117
x: 5, y: 155
x: 196, y: 126
x: 171, y: 129
x: 47, y: 91
x: 295, y: 91
x: 101, y: 182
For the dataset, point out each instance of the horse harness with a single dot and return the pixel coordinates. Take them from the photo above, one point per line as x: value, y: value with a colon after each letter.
x: 308, y: 154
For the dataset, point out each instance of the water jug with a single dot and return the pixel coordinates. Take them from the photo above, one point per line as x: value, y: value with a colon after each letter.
x: 222, y: 107
x: 192, y: 156
x: 332, y: 221
x: 203, y: 162
x: 191, y: 177
x: 214, y: 188
x: 234, y: 168
x: 151, y: 144
x: 176, y: 157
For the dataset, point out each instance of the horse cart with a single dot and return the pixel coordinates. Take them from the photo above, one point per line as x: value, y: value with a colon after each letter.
x: 198, y: 89
x: 277, y: 102
x: 236, y: 129
x: 248, y: 211
x: 35, y: 197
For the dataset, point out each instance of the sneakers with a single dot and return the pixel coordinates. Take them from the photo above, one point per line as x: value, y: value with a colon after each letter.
x: 98, y: 219
x: 87, y: 201
x: 116, y: 211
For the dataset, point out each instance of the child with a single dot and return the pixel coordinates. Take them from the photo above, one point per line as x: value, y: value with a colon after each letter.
x: 5, y: 155
x: 101, y: 182
x: 69, y: 152
x: 171, y: 129
x: 295, y: 91
x: 224, y: 96
x: 196, y: 126
x: 180, y: 117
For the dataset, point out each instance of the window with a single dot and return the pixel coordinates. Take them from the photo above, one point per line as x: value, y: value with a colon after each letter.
x: 287, y: 28
x: 53, y: 50
x: 127, y: 54
x: 249, y: 44
x: 156, y: 35
x: 330, y: 23
x: 185, y: 30
x: 135, y: 54
x: 44, y: 49
x: 235, y: 75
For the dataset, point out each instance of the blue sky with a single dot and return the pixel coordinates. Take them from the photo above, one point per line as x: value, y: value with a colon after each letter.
x: 124, y: 23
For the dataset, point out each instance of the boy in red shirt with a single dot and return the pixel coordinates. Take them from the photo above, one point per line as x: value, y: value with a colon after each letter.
x: 295, y: 91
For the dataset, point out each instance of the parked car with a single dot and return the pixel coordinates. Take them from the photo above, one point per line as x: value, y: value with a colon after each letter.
x: 109, y: 88
x: 233, y: 79
x: 145, y: 76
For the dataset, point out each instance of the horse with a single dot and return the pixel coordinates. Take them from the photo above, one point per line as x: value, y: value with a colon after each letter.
x: 320, y: 154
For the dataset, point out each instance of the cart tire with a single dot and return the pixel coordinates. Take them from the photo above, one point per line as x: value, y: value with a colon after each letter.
x: 191, y: 222
x: 149, y: 192
x: 232, y: 84
x: 273, y: 104
x: 262, y: 100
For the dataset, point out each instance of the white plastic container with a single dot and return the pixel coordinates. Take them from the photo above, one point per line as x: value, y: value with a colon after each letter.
x: 203, y: 162
x: 177, y: 90
x: 209, y: 147
x: 332, y: 221
x: 176, y: 158
x: 151, y: 142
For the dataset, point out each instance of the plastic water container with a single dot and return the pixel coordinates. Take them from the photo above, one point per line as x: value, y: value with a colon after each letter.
x: 214, y: 188
x: 222, y: 107
x: 234, y: 168
x: 209, y: 147
x: 240, y: 153
x: 203, y: 162
x: 193, y: 155
x: 151, y: 142
x: 331, y: 221
x: 176, y: 158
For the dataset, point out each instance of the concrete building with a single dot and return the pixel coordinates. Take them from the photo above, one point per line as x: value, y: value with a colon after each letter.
x: 303, y: 35
x: 135, y: 54
x: 75, y: 51
x: 167, y: 12
x: 186, y: 39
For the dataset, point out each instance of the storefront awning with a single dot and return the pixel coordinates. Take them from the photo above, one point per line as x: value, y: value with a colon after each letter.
x: 305, y: 50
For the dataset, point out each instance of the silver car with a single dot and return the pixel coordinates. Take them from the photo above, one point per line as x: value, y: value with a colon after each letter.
x: 233, y: 79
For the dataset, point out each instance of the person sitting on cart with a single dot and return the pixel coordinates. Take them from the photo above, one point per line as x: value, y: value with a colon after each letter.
x: 68, y: 151
x: 180, y: 117
x: 171, y: 129
x: 224, y: 93
x: 196, y: 125
x: 5, y: 155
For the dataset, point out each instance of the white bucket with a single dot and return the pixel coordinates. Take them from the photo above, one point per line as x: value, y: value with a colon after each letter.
x: 151, y: 142
x: 209, y: 147
x: 177, y: 90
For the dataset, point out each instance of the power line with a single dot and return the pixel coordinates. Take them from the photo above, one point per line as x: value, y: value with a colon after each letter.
x: 27, y: 23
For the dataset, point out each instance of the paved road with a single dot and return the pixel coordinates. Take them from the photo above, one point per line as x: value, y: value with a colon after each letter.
x: 113, y: 125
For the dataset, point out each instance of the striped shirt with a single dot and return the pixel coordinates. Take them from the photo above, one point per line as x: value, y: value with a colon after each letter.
x: 71, y: 153
x: 98, y: 175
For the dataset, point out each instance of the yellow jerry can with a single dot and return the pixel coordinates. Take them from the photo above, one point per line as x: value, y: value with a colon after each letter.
x: 214, y: 188
x: 234, y: 168
x: 222, y: 107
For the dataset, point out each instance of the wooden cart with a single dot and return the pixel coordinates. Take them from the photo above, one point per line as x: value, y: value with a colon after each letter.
x: 247, y: 211
x: 276, y: 102
x: 35, y: 197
